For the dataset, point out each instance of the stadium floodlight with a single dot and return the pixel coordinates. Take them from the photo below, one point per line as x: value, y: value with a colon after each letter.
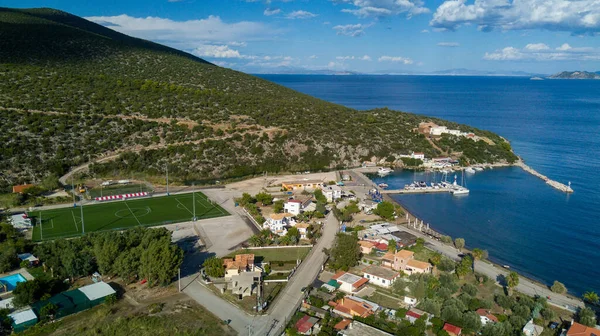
x: 167, y: 169
x: 82, y: 224
x: 194, y: 201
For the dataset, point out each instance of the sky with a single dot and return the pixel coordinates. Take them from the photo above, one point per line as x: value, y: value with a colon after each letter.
x: 367, y: 36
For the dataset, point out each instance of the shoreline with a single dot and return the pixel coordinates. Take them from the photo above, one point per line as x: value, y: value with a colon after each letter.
x: 427, y: 230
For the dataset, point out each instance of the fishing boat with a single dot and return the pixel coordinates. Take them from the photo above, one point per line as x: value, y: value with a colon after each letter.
x: 383, y: 185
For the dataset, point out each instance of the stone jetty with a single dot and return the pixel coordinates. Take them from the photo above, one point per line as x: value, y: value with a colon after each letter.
x: 557, y: 185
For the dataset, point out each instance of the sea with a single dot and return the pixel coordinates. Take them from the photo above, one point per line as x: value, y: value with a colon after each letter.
x: 554, y: 125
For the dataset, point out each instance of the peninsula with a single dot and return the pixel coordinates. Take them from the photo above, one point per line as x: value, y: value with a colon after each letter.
x: 575, y: 75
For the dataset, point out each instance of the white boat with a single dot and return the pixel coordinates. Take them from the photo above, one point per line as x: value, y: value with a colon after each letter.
x: 383, y: 185
x: 470, y: 170
x: 478, y: 169
x: 384, y: 171
x: 460, y: 191
x: 457, y: 189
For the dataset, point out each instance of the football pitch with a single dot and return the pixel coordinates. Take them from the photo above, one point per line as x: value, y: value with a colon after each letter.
x: 124, y: 214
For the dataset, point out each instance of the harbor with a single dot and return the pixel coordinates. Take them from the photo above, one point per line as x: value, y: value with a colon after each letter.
x: 556, y: 185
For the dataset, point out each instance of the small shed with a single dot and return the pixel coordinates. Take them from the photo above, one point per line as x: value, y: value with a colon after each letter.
x: 7, y: 303
x: 23, y: 319
x: 33, y: 260
x: 97, y: 292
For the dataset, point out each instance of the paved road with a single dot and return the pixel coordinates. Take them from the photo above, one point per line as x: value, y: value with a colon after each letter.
x: 493, y: 272
x: 286, y: 302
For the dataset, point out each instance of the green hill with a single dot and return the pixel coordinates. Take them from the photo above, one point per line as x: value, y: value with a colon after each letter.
x: 72, y: 90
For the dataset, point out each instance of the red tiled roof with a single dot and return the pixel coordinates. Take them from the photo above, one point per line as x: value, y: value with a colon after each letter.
x: 381, y: 246
x: 21, y: 188
x: 338, y: 274
x: 303, y: 325
x: 486, y: 313
x: 581, y: 330
x: 413, y: 314
x: 343, y: 324
x: 452, y: 328
x: 360, y: 283
x: 294, y: 201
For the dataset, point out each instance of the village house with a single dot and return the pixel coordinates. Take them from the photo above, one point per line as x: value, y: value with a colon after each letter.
x: 366, y: 247
x: 307, y: 325
x: 349, y: 283
x: 278, y: 223
x: 367, y: 206
x: 452, y: 329
x: 332, y: 193
x: 303, y: 230
x: 244, y: 284
x: 351, y: 306
x: 417, y: 155
x: 33, y: 260
x: 486, y: 317
x: 238, y: 264
x: 578, y: 329
x: 531, y: 329
x: 355, y: 328
x: 404, y: 260
x: 19, y: 189
x: 302, y: 185
x: 414, y: 314
x: 410, y: 301
x: 297, y: 205
x: 381, y: 276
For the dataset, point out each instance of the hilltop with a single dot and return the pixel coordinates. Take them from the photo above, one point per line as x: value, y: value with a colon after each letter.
x: 575, y: 75
x: 72, y: 91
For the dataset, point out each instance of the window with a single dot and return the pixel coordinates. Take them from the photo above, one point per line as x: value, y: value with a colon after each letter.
x: 383, y: 281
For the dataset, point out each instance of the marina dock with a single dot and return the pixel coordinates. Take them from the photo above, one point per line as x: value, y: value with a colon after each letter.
x: 414, y: 191
x: 556, y: 185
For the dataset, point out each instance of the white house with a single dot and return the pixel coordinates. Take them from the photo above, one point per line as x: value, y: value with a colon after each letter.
x: 278, y: 223
x: 438, y: 130
x: 332, y: 192
x: 486, y: 317
x: 302, y: 229
x: 367, y: 206
x: 380, y: 276
x: 417, y: 155
x: 293, y: 206
x: 410, y: 301
x: 349, y: 283
x: 531, y: 329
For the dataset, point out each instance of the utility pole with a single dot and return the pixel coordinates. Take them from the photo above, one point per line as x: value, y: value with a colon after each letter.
x: 179, y: 278
x: 82, y: 224
x: 194, y: 201
x: 73, y: 191
x: 41, y: 232
x: 167, y: 168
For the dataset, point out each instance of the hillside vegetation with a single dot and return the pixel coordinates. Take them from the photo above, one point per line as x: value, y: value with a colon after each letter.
x: 72, y: 91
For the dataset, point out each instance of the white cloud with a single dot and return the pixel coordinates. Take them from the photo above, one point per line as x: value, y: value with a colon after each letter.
x: 348, y: 58
x: 425, y: 31
x: 448, y: 44
x: 186, y: 34
x: 271, y: 11
x: 396, y: 59
x: 365, y: 58
x: 300, y: 14
x: 344, y: 58
x: 542, y: 52
x: 312, y: 57
x: 382, y: 8
x: 216, y: 51
x: 581, y: 16
x: 237, y: 44
x: 353, y: 30
x: 537, y: 46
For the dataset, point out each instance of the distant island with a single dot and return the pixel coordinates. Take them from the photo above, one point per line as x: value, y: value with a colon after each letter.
x: 575, y: 75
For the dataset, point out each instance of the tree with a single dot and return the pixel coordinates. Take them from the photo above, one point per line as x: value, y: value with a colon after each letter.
x: 294, y: 234
x: 446, y: 265
x: 346, y: 252
x: 465, y: 266
x: 256, y: 240
x: 512, y: 280
x: 213, y: 267
x: 264, y: 198
x: 591, y: 297
x: 50, y: 182
x: 385, y: 210
x: 278, y: 206
x: 246, y: 199
x: 446, y: 239
x: 392, y: 245
x: 459, y: 243
x: 558, y: 287
x: 319, y: 196
x: 587, y: 317
x: 47, y: 312
x: 477, y: 253
x: 160, y: 262
x: 548, y: 314
x: 8, y: 257
x: 435, y: 258
x: 127, y: 265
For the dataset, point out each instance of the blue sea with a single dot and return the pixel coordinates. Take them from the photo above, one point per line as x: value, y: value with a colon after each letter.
x: 554, y: 125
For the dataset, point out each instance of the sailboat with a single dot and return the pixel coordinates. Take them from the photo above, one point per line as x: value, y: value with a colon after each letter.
x: 460, y: 189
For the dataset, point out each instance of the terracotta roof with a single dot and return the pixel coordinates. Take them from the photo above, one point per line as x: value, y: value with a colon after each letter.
x: 381, y: 246
x: 338, y: 274
x: 302, y: 225
x: 343, y: 324
x: 365, y: 243
x: 239, y: 261
x: 20, y: 188
x: 418, y: 264
x: 412, y: 314
x: 351, y: 307
x: 294, y: 201
x: 388, y: 256
x: 405, y: 254
x: 305, y: 323
x: 578, y: 329
x: 452, y: 328
x: 280, y: 216
x: 360, y: 283
x: 486, y: 313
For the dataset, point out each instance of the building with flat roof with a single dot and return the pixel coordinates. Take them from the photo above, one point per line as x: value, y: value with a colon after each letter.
x: 349, y: 283
x: 302, y: 185
x: 356, y: 328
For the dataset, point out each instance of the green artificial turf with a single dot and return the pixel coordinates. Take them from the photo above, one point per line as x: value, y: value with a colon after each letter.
x: 122, y: 214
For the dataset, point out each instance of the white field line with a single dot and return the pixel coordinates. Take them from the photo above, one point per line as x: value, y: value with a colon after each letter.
x: 74, y: 221
x: 132, y: 213
x: 184, y: 207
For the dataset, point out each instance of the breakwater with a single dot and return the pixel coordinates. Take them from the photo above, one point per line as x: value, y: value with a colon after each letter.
x: 557, y: 185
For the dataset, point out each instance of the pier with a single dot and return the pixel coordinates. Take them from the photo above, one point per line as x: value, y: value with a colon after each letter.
x: 414, y: 191
x: 556, y: 185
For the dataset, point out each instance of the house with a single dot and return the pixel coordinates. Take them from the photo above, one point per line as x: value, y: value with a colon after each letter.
x: 243, y: 284
x: 33, y: 261
x: 342, y: 325
x: 279, y: 222
x: 349, y: 283
x: 417, y: 155
x: 351, y: 306
x: 355, y: 328
x: 397, y: 261
x: 380, y: 247
x: 486, y: 317
x: 381, y: 276
x: 24, y: 319
x: 297, y: 205
x: 417, y: 267
x: 367, y: 206
x: 238, y: 264
x: 452, y: 329
x: 366, y: 247
x: 303, y: 230
x: 302, y: 185
x: 20, y: 221
x: 578, y: 329
x: 531, y: 329
x: 307, y: 324
x: 410, y: 301
x: 404, y: 239
x: 414, y: 314
x: 332, y: 193
x: 21, y: 188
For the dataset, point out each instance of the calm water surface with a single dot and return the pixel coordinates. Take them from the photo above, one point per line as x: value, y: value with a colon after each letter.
x: 553, y: 124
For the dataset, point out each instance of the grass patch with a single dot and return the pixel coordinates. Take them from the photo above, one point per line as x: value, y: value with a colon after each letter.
x: 384, y: 300
x: 119, y: 215
x: 276, y: 254
x: 38, y: 273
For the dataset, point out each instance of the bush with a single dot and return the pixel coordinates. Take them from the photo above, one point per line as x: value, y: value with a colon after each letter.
x: 558, y: 287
